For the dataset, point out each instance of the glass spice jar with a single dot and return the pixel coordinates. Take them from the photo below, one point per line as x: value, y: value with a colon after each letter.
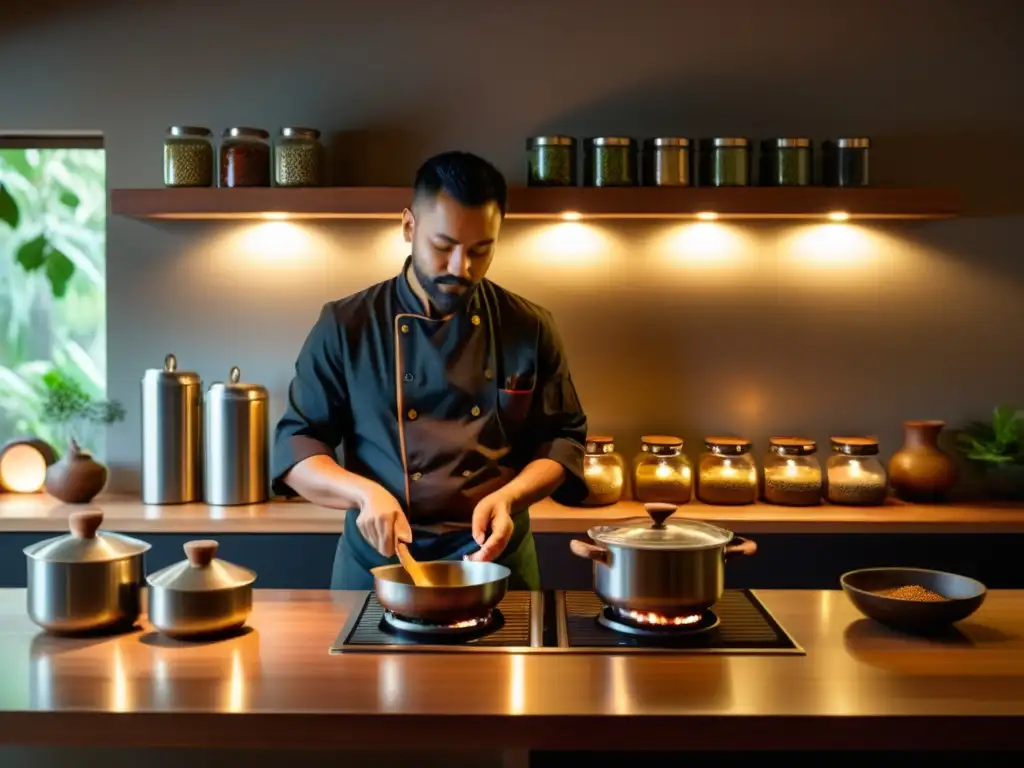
x: 792, y: 473
x: 726, y: 162
x: 551, y: 161
x: 846, y: 162
x: 727, y: 473
x: 666, y: 162
x: 854, y: 475
x: 785, y: 163
x: 245, y: 158
x: 298, y: 158
x: 609, y: 161
x: 604, y: 472
x: 188, y: 157
x: 661, y: 472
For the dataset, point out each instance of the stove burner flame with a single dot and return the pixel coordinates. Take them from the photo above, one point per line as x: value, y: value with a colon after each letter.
x: 649, y: 618
x: 422, y: 627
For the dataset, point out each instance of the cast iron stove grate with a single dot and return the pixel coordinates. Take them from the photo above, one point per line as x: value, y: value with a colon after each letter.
x: 745, y: 626
x: 366, y: 630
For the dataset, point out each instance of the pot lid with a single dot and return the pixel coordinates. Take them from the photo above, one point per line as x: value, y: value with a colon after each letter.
x: 658, y: 532
x: 235, y: 389
x: 170, y: 375
x: 86, y: 543
x: 201, y: 572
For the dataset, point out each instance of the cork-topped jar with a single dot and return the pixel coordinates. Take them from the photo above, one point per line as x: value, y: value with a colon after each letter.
x: 727, y: 473
x: 661, y: 471
x: 604, y: 471
x: 792, y: 472
x: 854, y: 475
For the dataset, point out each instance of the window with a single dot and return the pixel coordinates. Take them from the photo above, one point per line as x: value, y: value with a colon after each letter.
x: 53, y: 211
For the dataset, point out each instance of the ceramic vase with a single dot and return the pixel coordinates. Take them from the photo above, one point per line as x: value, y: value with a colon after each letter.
x: 920, y: 471
x: 77, y: 477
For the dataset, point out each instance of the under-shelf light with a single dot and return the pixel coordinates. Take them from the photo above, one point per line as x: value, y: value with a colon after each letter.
x: 839, y: 216
x: 571, y: 216
x: 707, y: 216
x: 275, y: 216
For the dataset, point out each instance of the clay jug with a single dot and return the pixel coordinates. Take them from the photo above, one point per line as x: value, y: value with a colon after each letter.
x: 920, y: 471
x: 77, y: 477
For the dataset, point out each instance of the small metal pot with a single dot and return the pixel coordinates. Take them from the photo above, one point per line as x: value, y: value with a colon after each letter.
x: 201, y: 595
x: 652, y: 565
x: 86, y: 580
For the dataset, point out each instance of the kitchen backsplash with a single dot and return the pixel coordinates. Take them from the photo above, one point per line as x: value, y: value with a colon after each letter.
x: 687, y: 329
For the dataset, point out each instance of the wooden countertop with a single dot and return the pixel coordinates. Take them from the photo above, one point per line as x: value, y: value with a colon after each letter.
x: 858, y: 686
x: 42, y: 513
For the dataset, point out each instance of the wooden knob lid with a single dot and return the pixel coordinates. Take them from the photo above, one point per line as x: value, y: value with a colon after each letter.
x: 200, y: 553
x: 660, y: 512
x: 85, y: 524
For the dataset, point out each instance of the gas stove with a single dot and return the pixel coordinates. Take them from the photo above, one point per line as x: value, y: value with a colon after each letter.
x: 572, y: 622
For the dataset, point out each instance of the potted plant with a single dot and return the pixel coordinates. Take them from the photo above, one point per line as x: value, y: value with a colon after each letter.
x: 997, y: 448
x: 77, y: 477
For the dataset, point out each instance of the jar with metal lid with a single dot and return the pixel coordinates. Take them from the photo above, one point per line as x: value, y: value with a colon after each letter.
x: 727, y: 472
x: 245, y: 158
x: 172, y: 456
x: 236, y: 430
x: 604, y: 472
x: 846, y: 162
x: 200, y: 595
x: 661, y: 472
x: 854, y: 475
x: 86, y: 580
x: 785, y: 163
x: 188, y: 157
x: 725, y: 162
x: 792, y: 473
x: 299, y: 158
x: 610, y: 161
x: 666, y: 162
x: 551, y: 161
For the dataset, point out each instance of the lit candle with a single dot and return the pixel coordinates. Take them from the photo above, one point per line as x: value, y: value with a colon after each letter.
x: 726, y: 483
x: 850, y: 483
x: 792, y: 483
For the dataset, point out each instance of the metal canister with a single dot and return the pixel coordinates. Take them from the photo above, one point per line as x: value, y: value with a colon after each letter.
x: 237, y: 455
x: 171, y: 435
x: 666, y: 162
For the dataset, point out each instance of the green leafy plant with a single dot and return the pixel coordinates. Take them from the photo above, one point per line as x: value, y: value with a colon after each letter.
x: 996, y: 443
x: 67, y: 404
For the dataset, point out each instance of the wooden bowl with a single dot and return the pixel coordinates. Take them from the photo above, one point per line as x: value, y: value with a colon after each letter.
x: 964, y: 596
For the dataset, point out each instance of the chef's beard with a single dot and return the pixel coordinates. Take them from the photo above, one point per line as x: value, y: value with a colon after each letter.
x: 443, y: 302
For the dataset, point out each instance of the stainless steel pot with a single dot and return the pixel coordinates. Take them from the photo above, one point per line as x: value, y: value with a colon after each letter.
x: 86, y: 580
x: 653, y: 565
x: 201, y: 595
x: 460, y: 590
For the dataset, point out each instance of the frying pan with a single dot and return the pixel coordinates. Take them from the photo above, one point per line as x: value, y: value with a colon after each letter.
x: 460, y: 590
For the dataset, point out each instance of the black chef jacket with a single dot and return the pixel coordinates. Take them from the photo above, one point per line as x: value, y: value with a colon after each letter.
x: 440, y: 412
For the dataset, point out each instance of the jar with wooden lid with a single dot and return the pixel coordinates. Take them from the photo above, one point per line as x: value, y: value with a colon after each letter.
x: 661, y: 471
x: 298, y: 158
x: 245, y: 158
x: 854, y: 475
x: 727, y: 472
x: 792, y: 472
x: 604, y: 471
x: 188, y: 156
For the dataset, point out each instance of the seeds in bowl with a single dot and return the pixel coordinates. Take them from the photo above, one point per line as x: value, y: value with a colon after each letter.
x: 912, y: 592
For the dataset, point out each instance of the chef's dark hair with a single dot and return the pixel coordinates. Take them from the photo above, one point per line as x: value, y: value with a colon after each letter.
x: 469, y: 179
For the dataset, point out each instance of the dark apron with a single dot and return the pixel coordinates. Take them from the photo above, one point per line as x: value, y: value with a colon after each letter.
x: 355, y: 557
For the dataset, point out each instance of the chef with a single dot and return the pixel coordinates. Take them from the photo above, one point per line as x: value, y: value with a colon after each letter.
x: 449, y: 396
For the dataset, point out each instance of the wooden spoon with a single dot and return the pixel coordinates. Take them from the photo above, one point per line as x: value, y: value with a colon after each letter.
x: 412, y: 566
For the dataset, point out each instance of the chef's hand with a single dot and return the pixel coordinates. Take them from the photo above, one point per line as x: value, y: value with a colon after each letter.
x: 492, y: 527
x: 381, y: 521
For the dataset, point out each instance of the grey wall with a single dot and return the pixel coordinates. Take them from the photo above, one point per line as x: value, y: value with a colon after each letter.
x: 755, y: 329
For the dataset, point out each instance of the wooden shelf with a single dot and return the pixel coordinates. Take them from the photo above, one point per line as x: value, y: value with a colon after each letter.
x: 805, y: 203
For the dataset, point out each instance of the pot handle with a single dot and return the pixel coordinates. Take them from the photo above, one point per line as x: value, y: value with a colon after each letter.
x: 739, y: 546
x: 590, y: 551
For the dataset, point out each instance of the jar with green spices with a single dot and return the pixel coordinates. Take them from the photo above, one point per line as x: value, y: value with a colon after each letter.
x: 666, y: 162
x: 298, y: 158
x: 551, y: 161
x: 610, y: 161
x: 785, y: 163
x: 188, y: 157
x: 725, y: 162
x: 846, y: 162
x: 245, y: 158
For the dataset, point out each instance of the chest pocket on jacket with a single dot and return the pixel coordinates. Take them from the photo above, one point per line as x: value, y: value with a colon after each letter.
x: 514, y: 407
